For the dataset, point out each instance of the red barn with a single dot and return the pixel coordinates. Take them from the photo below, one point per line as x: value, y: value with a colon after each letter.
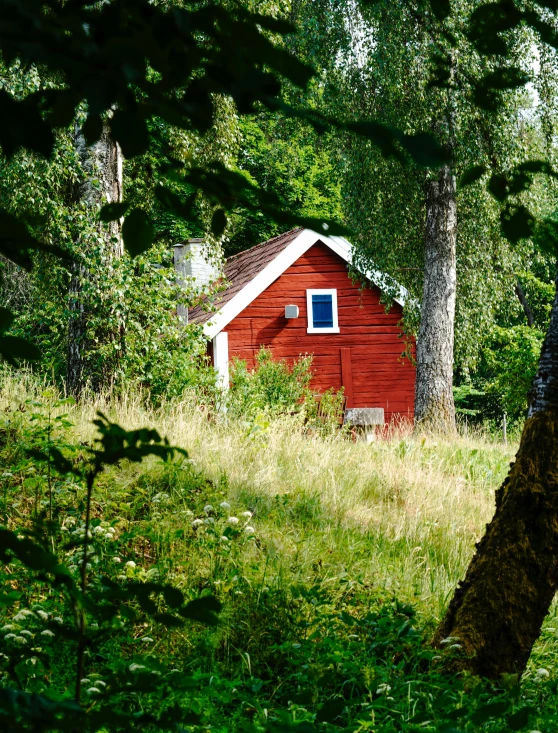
x: 293, y: 295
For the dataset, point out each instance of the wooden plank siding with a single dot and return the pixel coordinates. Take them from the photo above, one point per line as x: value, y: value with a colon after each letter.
x: 368, y: 350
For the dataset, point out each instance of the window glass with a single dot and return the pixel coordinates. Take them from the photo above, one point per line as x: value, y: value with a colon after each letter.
x: 322, y: 311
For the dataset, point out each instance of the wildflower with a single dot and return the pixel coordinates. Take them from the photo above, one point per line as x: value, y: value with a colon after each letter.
x: 209, y: 520
x: 110, y: 530
x: 224, y: 538
x: 93, y: 691
x: 10, y: 636
x: 225, y: 505
x: 7, y: 627
x: 47, y: 632
x: 58, y: 619
x: 456, y: 646
x: 246, y: 515
x: 26, y: 632
x: 249, y: 530
x: 449, y: 640
x: 130, y: 564
x: 136, y: 667
x: 21, y: 639
x: 541, y: 673
x: 116, y: 559
x: 85, y: 681
x: 197, y: 522
x: 42, y: 614
x: 101, y: 682
x: 208, y: 508
x: 22, y: 615
x: 147, y: 639
x: 232, y: 520
x: 383, y: 689
x: 98, y: 529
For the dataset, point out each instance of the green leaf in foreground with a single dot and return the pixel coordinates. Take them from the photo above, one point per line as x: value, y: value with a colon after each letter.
x: 137, y: 232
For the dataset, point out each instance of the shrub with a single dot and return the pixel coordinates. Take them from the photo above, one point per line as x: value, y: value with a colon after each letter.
x: 272, y: 387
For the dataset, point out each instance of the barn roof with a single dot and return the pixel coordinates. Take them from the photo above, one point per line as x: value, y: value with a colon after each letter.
x: 250, y: 272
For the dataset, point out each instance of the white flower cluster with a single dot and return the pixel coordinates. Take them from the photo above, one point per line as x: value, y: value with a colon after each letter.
x: 22, y: 636
x: 232, y: 520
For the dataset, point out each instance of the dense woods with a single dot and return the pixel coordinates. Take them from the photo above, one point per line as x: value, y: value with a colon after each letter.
x: 240, y: 573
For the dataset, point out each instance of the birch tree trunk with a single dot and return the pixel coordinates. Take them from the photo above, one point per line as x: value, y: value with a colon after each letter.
x: 498, y: 609
x: 434, y: 406
x: 102, y: 183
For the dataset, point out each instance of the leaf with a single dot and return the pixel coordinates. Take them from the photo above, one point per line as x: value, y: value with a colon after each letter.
x: 173, y: 203
x: 471, y: 175
x: 440, y: 8
x: 202, y: 609
x: 424, y: 149
x: 92, y: 128
x: 331, y: 710
x: 8, y: 599
x: 21, y: 126
x: 130, y: 131
x: 520, y: 719
x: 486, y: 712
x: 168, y: 620
x: 137, y: 232
x: 173, y: 596
x: 517, y: 223
x: 14, y: 347
x: 6, y: 319
x: 113, y: 212
x: 218, y: 222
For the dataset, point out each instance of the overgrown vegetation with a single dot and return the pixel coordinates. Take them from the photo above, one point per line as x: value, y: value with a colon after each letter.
x: 332, y: 560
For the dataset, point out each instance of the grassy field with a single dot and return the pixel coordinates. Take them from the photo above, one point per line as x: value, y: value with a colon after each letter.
x: 290, y: 531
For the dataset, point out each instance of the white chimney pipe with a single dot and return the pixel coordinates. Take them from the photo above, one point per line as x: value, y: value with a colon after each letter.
x: 190, y: 261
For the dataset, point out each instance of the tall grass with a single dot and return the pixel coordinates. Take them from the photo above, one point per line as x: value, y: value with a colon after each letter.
x: 402, y: 514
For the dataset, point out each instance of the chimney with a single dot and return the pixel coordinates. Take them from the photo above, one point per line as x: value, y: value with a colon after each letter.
x: 190, y: 261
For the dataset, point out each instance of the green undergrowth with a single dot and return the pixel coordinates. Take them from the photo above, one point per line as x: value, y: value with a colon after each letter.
x: 330, y: 583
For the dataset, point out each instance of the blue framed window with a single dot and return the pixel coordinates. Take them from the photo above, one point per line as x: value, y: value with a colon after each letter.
x: 322, y: 311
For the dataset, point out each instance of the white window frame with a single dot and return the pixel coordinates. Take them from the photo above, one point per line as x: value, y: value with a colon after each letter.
x: 331, y: 329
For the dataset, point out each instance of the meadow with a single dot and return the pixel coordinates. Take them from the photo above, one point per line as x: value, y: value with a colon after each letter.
x: 333, y: 561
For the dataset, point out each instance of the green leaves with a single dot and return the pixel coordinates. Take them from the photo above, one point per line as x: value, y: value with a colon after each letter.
x: 21, y: 126
x: 113, y: 212
x: 13, y: 348
x: 471, y: 175
x: 130, y: 131
x: 137, y: 232
x: 487, y: 91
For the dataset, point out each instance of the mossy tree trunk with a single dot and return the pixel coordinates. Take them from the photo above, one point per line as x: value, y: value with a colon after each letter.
x: 498, y: 609
x: 101, y: 183
x: 434, y: 405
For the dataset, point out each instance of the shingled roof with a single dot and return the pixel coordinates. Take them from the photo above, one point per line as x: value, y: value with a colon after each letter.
x: 242, y: 268
x: 249, y: 273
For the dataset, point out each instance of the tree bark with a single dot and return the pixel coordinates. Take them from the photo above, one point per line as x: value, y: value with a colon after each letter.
x: 101, y: 183
x: 498, y: 609
x: 434, y: 405
x: 524, y: 303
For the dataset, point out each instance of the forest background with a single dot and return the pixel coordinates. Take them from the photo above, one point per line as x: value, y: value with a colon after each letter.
x: 504, y: 293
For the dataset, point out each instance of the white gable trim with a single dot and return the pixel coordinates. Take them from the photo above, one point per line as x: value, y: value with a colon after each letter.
x: 274, y: 269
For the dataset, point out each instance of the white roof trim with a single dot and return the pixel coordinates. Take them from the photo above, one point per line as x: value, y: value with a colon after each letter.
x: 274, y: 269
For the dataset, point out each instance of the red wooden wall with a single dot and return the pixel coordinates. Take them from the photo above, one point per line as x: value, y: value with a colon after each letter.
x: 365, y: 356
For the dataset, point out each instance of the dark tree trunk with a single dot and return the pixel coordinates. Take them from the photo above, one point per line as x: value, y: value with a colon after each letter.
x: 524, y: 304
x: 498, y: 609
x: 101, y: 183
x: 434, y: 405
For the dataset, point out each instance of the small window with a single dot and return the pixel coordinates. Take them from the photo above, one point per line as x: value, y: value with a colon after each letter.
x: 322, y: 311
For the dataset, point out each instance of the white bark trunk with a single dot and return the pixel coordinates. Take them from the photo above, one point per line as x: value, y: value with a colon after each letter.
x: 101, y: 184
x: 434, y: 405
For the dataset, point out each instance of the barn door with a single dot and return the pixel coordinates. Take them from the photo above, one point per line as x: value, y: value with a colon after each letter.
x: 347, y: 375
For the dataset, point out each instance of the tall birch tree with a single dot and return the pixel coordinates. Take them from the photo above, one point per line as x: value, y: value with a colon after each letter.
x: 412, y: 67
